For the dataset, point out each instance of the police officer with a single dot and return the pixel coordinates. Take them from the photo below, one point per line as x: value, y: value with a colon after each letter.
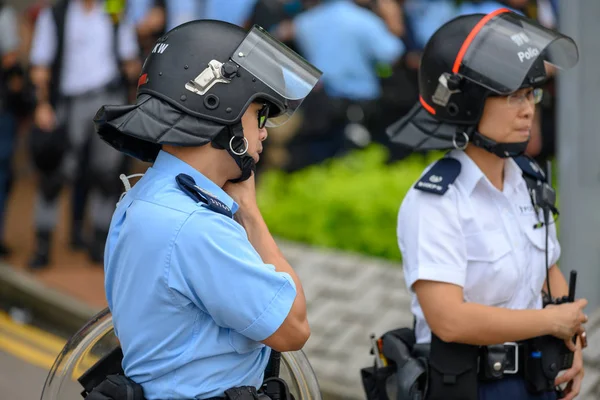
x: 478, y: 244
x: 199, y: 292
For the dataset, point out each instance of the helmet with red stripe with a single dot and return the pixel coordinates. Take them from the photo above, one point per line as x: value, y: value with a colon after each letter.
x: 470, y: 58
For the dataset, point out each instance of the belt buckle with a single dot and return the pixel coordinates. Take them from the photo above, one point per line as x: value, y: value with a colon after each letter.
x: 508, y: 346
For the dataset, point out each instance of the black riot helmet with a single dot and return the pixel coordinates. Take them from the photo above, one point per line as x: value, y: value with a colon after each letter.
x: 197, y: 83
x: 468, y: 59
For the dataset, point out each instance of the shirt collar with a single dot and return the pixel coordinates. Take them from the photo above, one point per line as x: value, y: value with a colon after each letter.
x: 513, y: 176
x: 169, y: 164
x: 470, y: 174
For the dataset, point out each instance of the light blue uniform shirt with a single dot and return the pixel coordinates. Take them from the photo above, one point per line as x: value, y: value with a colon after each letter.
x: 190, y: 296
x: 348, y: 54
x: 180, y: 11
x: 236, y: 12
x: 427, y: 16
x: 485, y: 7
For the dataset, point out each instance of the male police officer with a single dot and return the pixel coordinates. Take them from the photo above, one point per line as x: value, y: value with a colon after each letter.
x: 199, y: 298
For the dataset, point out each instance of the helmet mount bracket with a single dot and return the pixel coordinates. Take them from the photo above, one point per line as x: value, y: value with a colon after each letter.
x: 448, y: 84
x: 211, y: 75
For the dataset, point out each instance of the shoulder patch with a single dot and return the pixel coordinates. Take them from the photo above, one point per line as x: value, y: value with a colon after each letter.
x: 439, y: 178
x: 188, y: 185
x: 530, y: 168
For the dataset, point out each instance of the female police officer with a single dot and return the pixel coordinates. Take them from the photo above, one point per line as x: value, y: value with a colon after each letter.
x: 198, y: 290
x: 474, y: 244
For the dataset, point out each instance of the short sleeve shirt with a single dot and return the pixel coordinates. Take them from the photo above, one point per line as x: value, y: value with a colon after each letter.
x: 477, y: 237
x: 191, y: 298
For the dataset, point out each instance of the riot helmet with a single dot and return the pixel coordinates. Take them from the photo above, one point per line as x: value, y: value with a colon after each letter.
x: 469, y: 59
x: 196, y: 84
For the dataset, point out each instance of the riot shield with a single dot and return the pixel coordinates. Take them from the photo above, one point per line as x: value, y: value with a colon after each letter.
x: 95, y: 348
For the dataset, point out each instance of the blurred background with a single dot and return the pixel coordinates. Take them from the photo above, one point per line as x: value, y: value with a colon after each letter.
x: 329, y: 183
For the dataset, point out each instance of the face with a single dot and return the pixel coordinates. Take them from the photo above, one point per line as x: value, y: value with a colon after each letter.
x: 253, y: 123
x: 508, y: 119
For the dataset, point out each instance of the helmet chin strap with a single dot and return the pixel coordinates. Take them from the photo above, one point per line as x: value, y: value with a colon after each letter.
x: 502, y: 150
x: 232, y: 139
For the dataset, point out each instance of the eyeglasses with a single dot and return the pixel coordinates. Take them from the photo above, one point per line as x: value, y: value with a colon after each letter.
x: 263, y: 115
x: 533, y: 96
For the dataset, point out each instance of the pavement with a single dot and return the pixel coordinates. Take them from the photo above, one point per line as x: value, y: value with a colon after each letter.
x: 19, y: 379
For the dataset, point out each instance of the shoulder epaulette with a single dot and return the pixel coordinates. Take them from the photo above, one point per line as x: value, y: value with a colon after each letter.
x: 440, y: 176
x: 530, y: 168
x: 188, y: 185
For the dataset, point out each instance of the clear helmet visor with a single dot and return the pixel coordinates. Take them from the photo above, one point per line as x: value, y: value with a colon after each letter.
x: 503, y: 47
x: 278, y: 67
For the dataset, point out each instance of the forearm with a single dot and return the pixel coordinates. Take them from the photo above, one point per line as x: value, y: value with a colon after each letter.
x: 261, y: 239
x: 40, y: 76
x: 558, y: 284
x: 392, y: 15
x: 154, y: 22
x: 10, y: 59
x: 132, y: 69
x: 482, y: 325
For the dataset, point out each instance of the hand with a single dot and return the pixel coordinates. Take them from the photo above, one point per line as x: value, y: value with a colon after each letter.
x: 44, y: 117
x: 15, y: 84
x: 412, y: 60
x: 574, y: 375
x: 243, y: 193
x: 567, y: 319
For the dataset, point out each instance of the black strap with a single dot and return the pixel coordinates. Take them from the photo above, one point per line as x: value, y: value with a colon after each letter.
x: 245, y: 162
x: 541, y: 192
x: 530, y: 168
x: 276, y: 389
x: 117, y: 387
x: 272, y: 370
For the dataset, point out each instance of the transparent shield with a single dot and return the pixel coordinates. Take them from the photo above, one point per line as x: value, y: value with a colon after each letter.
x: 504, y: 49
x: 278, y: 67
x: 97, y: 339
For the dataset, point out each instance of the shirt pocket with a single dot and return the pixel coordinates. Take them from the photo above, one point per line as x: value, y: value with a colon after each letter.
x: 535, y: 249
x: 241, y: 344
x: 537, y: 238
x: 491, y: 272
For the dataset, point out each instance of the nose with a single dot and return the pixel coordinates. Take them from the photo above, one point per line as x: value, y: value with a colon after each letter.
x: 527, y: 109
x: 262, y: 134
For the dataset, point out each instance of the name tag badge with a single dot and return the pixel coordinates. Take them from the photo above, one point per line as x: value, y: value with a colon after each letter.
x: 526, y: 209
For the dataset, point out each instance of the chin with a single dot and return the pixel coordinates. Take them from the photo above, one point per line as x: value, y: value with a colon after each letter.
x: 519, y: 137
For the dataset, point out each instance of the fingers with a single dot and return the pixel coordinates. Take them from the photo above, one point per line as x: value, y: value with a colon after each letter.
x: 569, y: 343
x: 581, y: 303
x: 567, y: 376
x: 573, y: 388
x: 582, y: 317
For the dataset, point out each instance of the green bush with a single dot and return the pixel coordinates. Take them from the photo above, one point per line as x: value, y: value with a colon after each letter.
x: 349, y: 203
